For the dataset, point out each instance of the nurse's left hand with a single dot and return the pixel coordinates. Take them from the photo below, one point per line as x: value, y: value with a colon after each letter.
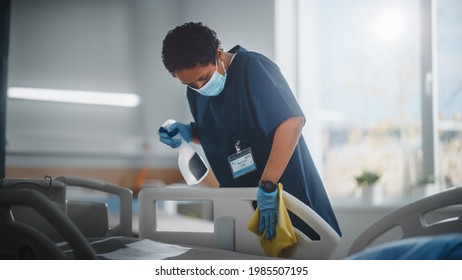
x: 268, y: 203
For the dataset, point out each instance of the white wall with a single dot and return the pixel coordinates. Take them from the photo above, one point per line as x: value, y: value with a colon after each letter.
x: 109, y: 45
x: 239, y: 22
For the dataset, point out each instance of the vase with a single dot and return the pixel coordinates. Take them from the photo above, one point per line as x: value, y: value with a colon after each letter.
x: 372, y: 194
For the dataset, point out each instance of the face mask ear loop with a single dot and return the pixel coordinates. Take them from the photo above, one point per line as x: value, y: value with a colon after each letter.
x: 224, y: 69
x: 222, y: 64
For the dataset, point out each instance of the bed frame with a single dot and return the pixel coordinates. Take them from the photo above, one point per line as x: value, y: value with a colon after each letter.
x: 232, y: 210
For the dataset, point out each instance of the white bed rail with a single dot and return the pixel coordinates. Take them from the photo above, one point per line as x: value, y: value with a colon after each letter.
x: 125, y: 196
x: 232, y: 210
x: 410, y: 220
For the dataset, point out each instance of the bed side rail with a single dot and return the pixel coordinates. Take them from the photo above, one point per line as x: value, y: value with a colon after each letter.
x: 409, y: 220
x: 125, y: 195
x: 236, y: 204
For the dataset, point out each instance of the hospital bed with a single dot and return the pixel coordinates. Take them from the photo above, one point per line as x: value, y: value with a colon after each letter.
x: 229, y: 239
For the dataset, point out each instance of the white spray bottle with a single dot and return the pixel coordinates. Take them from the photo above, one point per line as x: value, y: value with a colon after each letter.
x: 190, y: 163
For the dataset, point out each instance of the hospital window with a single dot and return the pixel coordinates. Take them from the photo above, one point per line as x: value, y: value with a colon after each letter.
x: 381, y: 74
x: 449, y: 63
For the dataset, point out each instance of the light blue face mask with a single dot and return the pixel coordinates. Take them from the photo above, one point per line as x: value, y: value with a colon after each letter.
x: 215, y: 85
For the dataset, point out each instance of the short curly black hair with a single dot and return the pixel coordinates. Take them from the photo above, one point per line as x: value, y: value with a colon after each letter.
x: 189, y: 45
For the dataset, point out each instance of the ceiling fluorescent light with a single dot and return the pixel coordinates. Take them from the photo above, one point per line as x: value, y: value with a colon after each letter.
x: 72, y: 96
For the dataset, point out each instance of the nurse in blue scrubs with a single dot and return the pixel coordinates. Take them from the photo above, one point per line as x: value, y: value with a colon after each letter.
x: 248, y: 122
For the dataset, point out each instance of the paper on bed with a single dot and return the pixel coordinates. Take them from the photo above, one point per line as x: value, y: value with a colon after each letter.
x: 285, y: 235
x: 146, y: 250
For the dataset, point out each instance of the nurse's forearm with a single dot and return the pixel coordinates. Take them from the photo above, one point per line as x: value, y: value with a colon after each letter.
x: 285, y: 140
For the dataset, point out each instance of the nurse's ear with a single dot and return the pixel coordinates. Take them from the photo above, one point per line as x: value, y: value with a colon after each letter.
x: 220, y: 54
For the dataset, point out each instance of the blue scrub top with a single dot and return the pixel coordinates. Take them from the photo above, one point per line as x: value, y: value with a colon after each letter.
x: 256, y: 99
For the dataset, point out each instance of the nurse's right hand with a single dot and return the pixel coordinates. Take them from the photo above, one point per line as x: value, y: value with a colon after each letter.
x: 167, y: 136
x: 268, y: 203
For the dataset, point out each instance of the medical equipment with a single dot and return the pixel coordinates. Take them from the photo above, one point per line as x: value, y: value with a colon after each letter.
x: 190, y: 163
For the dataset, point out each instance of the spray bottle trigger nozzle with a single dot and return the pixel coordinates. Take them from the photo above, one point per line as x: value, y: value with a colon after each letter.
x: 172, y: 133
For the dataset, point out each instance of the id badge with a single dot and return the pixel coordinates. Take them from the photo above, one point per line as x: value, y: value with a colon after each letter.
x: 241, y: 162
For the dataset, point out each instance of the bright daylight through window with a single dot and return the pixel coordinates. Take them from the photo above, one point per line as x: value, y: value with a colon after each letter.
x: 370, y: 63
x: 449, y: 22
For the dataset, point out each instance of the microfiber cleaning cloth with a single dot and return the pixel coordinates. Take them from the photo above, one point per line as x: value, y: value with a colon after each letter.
x: 285, y: 235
